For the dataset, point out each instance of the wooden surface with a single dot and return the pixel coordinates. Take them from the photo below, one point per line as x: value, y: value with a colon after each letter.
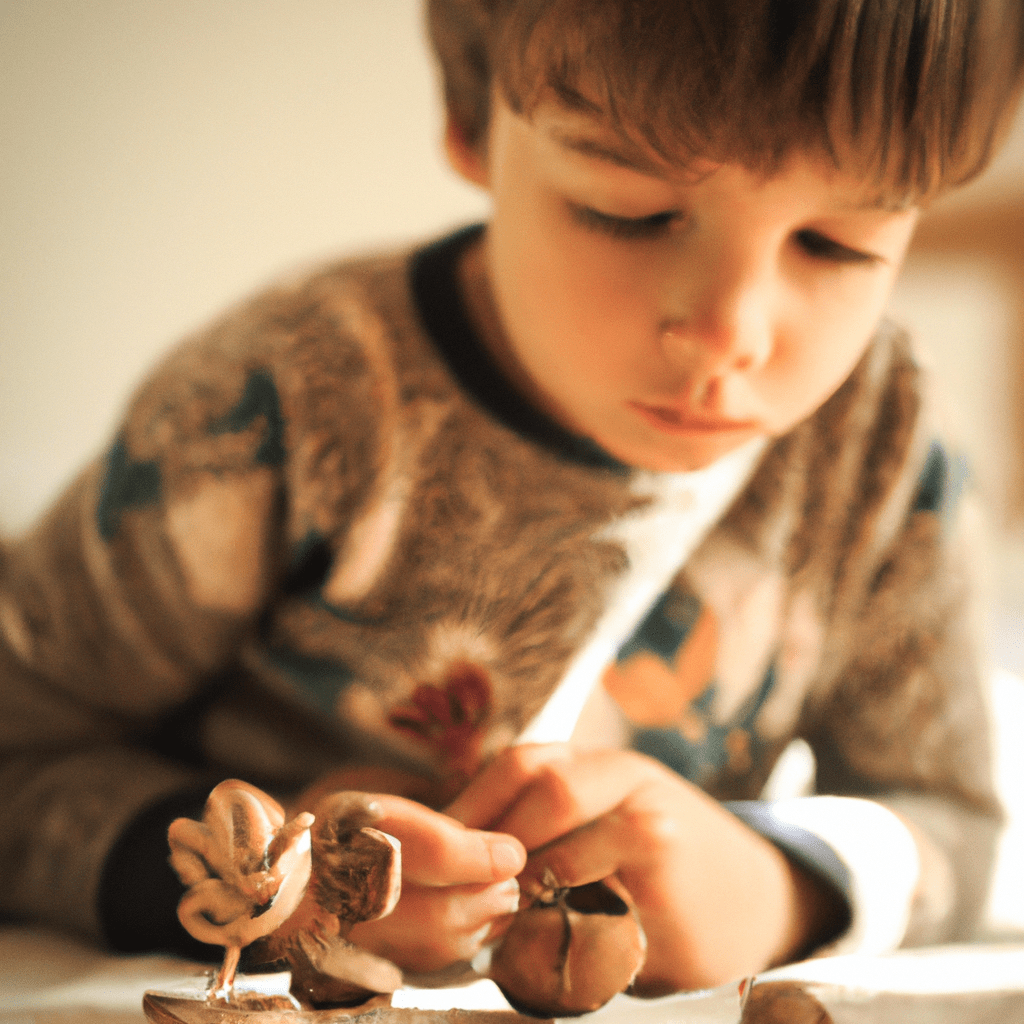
x: 160, y: 1009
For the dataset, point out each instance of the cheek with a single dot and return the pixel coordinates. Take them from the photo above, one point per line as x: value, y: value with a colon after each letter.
x: 556, y: 283
x: 827, y: 340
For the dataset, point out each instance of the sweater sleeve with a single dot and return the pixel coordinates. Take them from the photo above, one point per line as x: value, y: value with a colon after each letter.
x: 115, y: 611
x: 904, y: 729
x: 904, y: 821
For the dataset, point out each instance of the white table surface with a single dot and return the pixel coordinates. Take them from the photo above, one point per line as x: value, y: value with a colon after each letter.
x: 50, y: 979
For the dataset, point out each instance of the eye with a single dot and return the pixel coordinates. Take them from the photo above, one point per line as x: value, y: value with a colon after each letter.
x: 625, y: 227
x: 821, y: 247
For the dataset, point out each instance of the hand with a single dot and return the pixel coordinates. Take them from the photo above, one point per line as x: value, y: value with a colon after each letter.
x: 459, y: 888
x: 459, y: 885
x: 716, y: 900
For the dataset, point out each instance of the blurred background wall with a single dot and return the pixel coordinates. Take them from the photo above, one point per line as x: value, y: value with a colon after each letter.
x: 159, y: 160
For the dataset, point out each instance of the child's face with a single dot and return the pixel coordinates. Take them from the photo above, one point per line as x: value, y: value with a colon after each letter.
x: 671, y: 316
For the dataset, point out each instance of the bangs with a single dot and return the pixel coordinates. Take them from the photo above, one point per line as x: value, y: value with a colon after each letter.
x: 911, y: 95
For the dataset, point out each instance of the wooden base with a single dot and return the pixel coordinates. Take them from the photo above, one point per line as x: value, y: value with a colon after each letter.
x: 161, y: 1008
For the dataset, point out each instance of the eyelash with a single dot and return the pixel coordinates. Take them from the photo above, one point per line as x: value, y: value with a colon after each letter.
x: 814, y: 244
x: 625, y: 227
x: 821, y: 247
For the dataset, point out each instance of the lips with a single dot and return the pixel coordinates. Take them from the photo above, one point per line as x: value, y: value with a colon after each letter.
x: 675, y: 420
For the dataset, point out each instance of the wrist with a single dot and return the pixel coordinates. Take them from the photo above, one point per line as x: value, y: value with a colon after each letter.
x: 815, y: 880
x: 819, y: 913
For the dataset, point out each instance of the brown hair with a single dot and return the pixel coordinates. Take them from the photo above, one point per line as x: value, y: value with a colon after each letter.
x: 915, y: 94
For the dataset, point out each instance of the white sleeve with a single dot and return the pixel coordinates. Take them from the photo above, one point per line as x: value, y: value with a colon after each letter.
x: 881, y: 859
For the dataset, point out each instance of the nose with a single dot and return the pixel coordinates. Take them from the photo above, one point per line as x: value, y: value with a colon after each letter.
x: 721, y: 323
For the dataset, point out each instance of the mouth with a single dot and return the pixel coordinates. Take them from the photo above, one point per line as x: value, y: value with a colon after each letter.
x: 675, y: 420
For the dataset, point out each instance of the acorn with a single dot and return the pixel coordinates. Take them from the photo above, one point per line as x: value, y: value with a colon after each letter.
x: 782, y: 1002
x: 570, y: 950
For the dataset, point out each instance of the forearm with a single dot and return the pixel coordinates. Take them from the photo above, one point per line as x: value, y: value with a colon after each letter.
x: 60, y: 815
x: 912, y: 869
x: 91, y: 661
x: 956, y: 847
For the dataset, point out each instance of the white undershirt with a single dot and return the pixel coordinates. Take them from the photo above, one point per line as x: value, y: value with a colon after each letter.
x: 658, y: 539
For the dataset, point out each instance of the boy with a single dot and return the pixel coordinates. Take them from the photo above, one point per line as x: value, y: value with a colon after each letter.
x: 384, y: 528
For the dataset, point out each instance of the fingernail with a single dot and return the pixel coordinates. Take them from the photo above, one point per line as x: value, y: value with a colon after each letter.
x: 510, y: 891
x: 510, y: 887
x: 507, y: 856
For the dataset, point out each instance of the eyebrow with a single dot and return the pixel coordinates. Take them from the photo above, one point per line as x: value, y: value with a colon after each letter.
x: 634, y: 160
x: 588, y: 146
x: 880, y: 204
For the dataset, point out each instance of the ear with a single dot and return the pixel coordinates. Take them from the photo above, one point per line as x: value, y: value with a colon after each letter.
x: 467, y: 160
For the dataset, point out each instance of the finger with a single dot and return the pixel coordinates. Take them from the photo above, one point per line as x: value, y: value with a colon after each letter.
x: 440, y: 851
x: 462, y: 909
x: 588, y: 854
x: 433, y: 928
x: 565, y: 795
x: 648, y: 841
x: 493, y: 791
x: 364, y: 779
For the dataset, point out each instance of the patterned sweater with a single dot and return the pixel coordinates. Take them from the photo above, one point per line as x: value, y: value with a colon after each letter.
x: 329, y: 533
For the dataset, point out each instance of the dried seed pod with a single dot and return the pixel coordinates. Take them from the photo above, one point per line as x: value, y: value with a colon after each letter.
x: 356, y: 868
x: 570, y: 950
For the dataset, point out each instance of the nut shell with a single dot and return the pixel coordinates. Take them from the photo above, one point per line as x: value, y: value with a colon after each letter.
x: 782, y: 1002
x: 570, y: 954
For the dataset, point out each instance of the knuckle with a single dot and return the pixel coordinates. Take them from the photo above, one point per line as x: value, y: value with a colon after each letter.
x: 559, y: 795
x: 530, y: 758
x: 654, y: 827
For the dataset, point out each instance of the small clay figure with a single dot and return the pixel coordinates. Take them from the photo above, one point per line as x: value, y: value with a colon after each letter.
x: 356, y: 877
x: 570, y: 950
x: 245, y: 870
x: 250, y: 876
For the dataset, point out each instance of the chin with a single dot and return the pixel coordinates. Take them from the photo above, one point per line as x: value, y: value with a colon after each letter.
x: 659, y: 462
x: 682, y: 459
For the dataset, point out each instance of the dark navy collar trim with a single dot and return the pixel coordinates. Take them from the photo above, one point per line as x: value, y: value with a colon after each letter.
x: 438, y: 299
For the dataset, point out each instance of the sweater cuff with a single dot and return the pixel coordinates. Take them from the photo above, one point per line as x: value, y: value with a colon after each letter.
x: 860, y: 848
x: 139, y: 891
